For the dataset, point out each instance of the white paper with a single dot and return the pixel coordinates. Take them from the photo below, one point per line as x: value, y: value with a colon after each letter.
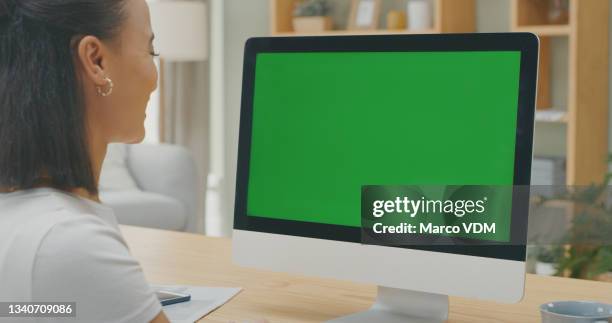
x: 365, y: 13
x: 203, y: 301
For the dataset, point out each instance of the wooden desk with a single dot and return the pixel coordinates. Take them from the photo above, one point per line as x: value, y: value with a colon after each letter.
x: 181, y: 258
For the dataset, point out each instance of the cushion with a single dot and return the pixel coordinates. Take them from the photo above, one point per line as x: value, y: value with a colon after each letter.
x: 115, y: 175
x: 146, y: 209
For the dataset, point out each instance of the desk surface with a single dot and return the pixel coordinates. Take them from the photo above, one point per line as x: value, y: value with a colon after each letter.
x: 181, y: 258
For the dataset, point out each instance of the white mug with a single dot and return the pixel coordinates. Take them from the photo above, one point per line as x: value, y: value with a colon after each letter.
x: 576, y: 312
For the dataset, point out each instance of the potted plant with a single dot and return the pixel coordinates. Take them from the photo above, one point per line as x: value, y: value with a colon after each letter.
x: 586, y: 250
x: 310, y: 16
x: 588, y: 253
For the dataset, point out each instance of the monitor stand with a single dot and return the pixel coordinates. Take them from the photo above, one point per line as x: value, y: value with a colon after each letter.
x: 402, y: 306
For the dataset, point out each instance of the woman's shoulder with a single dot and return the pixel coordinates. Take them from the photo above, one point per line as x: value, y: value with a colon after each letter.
x: 39, y: 222
x: 63, y: 224
x: 84, y: 260
x: 47, y: 206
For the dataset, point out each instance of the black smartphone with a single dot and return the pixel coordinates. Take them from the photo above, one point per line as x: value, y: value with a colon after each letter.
x: 167, y: 298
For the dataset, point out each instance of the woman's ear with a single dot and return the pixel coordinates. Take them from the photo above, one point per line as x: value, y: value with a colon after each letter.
x: 91, y: 55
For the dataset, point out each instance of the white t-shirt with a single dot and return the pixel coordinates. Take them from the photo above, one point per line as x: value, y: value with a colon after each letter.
x: 57, y: 247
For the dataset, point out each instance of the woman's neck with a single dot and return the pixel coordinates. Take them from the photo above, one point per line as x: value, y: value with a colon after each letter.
x: 97, y: 152
x: 83, y: 193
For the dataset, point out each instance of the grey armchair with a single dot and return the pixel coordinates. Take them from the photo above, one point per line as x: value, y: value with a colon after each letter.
x: 167, y: 196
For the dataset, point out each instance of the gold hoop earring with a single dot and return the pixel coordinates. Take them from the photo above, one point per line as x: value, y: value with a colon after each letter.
x: 109, y: 86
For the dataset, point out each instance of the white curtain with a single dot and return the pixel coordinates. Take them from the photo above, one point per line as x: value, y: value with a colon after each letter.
x: 185, y: 117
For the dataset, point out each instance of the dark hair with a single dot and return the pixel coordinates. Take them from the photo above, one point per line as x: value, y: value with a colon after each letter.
x: 42, y: 114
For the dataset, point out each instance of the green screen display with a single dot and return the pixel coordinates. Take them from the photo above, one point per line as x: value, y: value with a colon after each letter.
x: 324, y: 124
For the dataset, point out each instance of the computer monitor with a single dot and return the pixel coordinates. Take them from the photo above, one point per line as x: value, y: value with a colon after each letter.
x: 323, y: 117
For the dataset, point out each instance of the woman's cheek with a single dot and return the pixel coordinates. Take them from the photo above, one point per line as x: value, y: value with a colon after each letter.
x: 155, y: 76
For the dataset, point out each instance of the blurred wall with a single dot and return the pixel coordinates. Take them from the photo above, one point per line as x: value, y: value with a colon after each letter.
x: 243, y: 19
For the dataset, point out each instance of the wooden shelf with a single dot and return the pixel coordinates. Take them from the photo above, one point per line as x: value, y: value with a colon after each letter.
x: 545, y: 30
x: 586, y: 117
x: 551, y: 116
x: 449, y: 16
x: 359, y: 32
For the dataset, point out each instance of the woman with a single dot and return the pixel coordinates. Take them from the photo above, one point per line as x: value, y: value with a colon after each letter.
x: 75, y: 75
